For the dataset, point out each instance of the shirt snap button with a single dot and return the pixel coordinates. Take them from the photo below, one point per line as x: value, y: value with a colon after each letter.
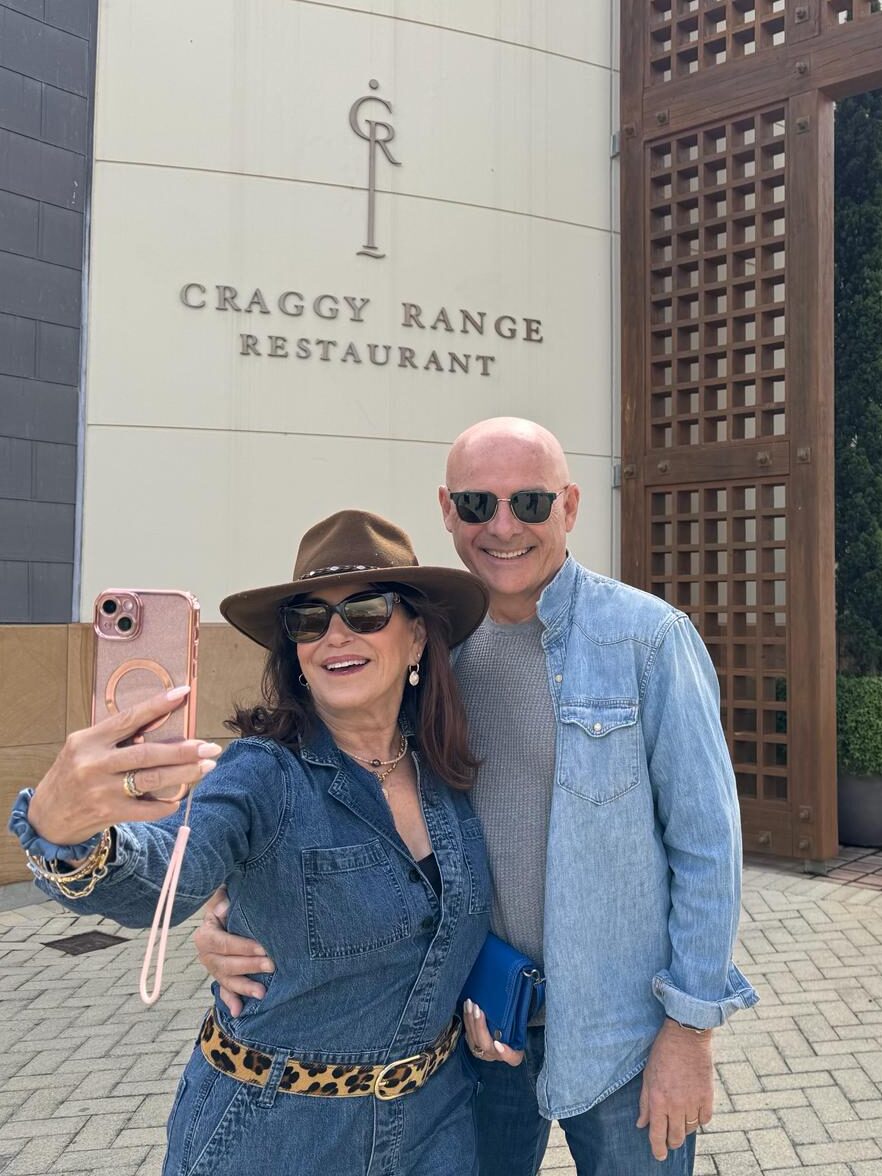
x: 598, y: 726
x: 415, y: 875
x: 558, y: 677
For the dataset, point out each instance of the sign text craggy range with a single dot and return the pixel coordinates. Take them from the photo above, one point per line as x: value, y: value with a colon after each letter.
x: 437, y: 330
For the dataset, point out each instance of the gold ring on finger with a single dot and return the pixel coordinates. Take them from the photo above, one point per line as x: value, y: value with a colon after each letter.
x: 692, y: 1122
x: 130, y: 787
x: 479, y: 1053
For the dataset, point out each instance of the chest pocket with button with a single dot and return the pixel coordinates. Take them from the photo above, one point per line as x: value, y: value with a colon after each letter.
x: 354, y: 900
x: 599, y: 750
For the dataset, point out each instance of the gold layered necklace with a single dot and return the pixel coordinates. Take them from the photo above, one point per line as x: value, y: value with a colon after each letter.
x: 383, y: 768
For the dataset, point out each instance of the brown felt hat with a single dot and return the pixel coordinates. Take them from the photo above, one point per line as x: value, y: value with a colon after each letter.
x: 354, y: 545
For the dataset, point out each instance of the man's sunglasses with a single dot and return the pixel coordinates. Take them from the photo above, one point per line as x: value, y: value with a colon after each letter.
x: 366, y: 612
x: 529, y: 506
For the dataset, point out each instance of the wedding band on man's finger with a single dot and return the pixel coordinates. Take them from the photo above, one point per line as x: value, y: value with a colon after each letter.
x: 130, y: 787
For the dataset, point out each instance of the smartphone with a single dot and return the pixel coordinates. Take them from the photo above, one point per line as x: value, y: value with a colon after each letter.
x: 147, y: 643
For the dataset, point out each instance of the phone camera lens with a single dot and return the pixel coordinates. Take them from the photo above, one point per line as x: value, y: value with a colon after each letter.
x: 124, y: 624
x: 109, y: 607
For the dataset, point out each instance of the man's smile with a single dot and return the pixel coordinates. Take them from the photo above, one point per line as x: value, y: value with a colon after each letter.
x: 506, y: 554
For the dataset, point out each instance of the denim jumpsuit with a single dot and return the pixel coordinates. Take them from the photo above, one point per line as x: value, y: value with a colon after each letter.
x: 369, y: 962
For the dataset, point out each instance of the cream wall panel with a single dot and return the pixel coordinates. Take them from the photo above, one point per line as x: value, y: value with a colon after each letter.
x: 265, y: 88
x: 203, y: 465
x: 154, y: 362
x: 572, y: 28
x: 614, y: 12
x: 592, y: 541
x: 217, y: 512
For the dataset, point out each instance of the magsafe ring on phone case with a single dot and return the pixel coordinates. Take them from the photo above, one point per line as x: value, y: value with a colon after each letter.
x: 136, y: 663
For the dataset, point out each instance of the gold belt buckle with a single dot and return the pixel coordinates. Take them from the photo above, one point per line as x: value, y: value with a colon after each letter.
x: 378, y: 1090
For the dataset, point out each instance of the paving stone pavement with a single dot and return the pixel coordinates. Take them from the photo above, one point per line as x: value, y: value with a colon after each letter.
x: 89, y: 1073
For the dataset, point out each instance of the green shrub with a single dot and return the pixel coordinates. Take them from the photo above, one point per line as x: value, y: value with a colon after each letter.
x: 858, y: 400
x: 859, y: 724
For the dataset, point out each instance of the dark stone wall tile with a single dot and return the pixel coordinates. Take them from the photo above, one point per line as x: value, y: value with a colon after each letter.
x: 18, y: 343
x: 15, y: 468
x: 58, y: 353
x: 51, y: 592
x: 37, y: 530
x: 42, y: 171
x: 55, y: 472
x: 38, y: 411
x: 46, y: 108
x: 39, y: 290
x: 61, y: 236
x: 65, y: 119
x: 76, y: 16
x: 19, y: 224
x: 42, y: 52
x: 28, y: 7
x: 14, y: 597
x: 20, y: 102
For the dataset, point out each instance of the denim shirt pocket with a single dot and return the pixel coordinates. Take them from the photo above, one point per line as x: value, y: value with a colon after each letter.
x: 598, y: 752
x: 354, y: 900
x: 476, y: 862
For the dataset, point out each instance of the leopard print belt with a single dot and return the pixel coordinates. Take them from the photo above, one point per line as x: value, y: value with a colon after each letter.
x: 246, y: 1064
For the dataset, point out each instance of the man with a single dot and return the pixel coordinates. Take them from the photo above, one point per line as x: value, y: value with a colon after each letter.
x: 608, y: 804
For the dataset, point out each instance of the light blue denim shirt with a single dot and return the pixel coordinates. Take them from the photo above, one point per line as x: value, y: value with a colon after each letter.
x: 643, y: 875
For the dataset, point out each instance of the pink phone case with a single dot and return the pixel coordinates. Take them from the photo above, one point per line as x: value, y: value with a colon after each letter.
x: 147, y: 643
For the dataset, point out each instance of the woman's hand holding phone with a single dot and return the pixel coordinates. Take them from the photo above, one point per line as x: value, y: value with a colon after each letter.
x: 83, y: 792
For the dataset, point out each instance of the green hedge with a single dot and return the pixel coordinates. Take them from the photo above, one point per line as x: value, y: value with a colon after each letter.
x: 858, y: 400
x: 859, y: 724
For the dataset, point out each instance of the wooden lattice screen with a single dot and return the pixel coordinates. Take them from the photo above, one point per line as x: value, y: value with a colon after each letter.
x: 727, y: 361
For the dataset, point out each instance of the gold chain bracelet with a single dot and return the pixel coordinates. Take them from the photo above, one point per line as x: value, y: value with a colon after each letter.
x: 89, y: 871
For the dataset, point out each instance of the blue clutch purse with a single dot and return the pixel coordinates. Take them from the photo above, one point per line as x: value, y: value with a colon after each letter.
x: 508, y: 988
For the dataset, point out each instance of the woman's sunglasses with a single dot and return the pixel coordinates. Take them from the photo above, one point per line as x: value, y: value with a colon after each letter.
x: 366, y: 612
x: 529, y: 506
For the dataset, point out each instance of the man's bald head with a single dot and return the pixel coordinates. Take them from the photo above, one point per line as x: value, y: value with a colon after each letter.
x: 516, y: 436
x: 516, y: 560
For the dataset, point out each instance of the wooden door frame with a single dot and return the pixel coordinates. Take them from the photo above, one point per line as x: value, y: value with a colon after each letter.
x: 821, y: 61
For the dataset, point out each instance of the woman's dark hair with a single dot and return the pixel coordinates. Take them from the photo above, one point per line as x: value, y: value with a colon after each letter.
x: 287, y: 713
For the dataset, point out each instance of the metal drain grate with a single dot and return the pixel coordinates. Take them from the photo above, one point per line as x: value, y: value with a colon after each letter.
x: 87, y: 941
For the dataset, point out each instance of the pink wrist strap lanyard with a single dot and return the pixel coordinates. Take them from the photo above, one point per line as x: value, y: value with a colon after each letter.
x: 164, y: 912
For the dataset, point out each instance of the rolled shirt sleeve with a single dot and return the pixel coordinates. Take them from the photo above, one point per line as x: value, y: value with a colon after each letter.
x: 697, y: 806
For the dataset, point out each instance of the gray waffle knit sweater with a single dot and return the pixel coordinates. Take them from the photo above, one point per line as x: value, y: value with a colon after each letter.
x: 503, y: 678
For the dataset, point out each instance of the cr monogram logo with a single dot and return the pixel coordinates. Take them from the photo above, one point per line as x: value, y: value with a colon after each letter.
x: 378, y: 135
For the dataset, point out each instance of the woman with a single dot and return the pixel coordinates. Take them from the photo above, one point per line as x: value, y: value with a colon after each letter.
x: 341, y: 828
